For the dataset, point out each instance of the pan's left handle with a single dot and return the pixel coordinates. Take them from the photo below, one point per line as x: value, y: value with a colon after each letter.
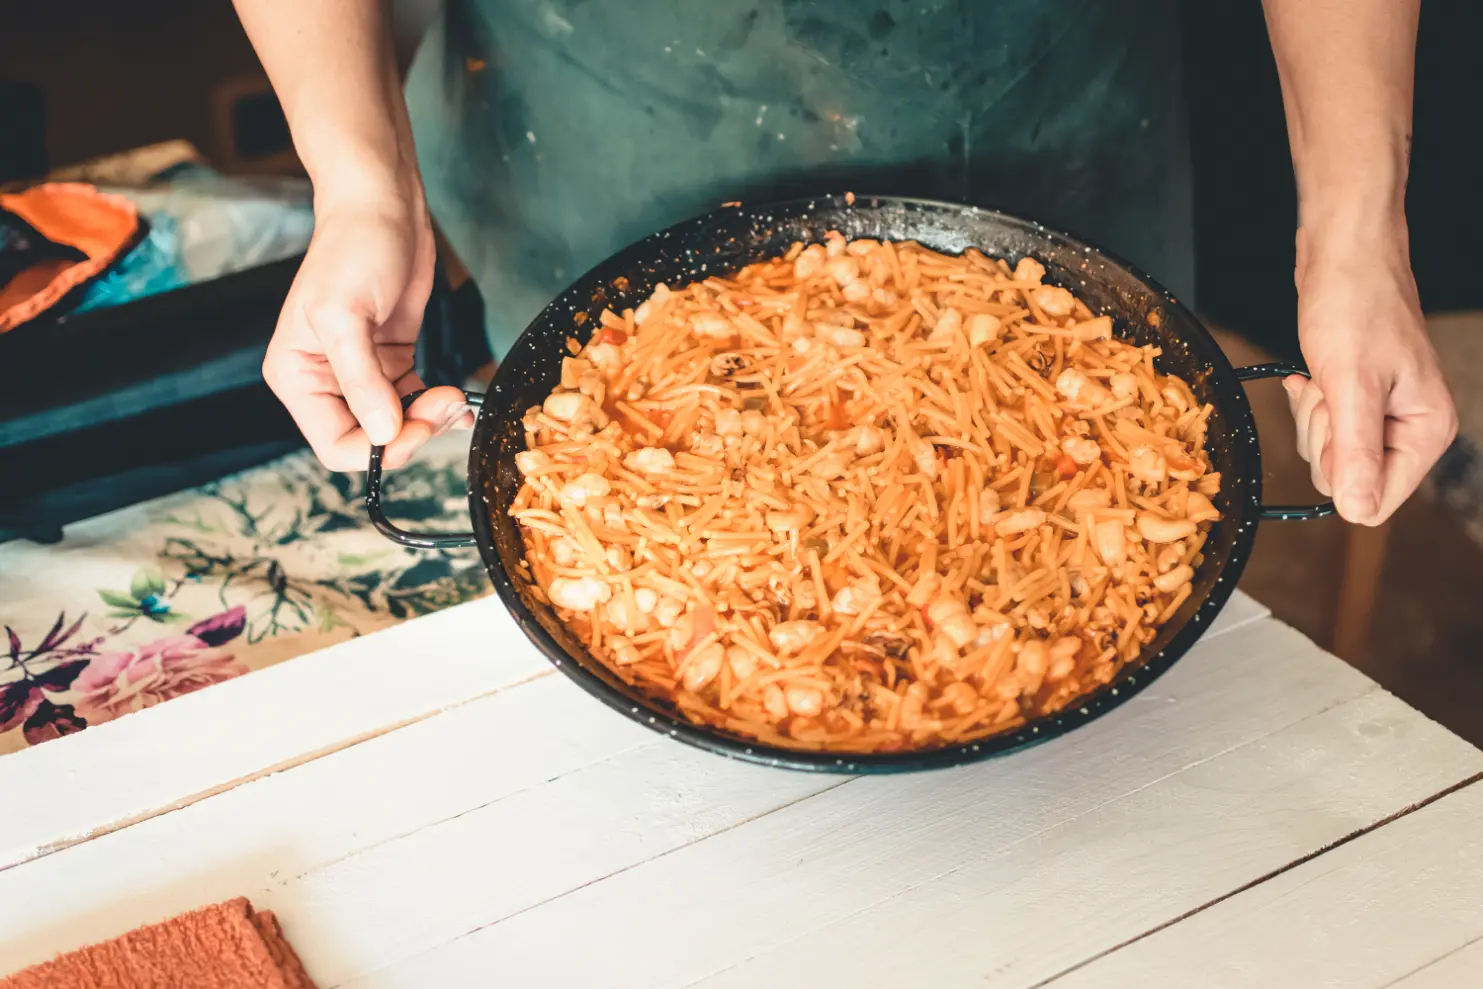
x: 416, y: 540
x: 1281, y: 369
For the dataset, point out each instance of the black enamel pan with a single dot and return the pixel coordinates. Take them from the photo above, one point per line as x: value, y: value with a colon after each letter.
x: 723, y: 242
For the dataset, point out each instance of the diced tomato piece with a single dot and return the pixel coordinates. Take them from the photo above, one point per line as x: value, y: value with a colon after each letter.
x: 705, y: 624
x: 613, y: 335
x: 1065, y: 466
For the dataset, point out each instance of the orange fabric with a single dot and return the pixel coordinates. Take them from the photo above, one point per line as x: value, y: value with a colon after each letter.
x: 227, y: 946
x: 97, y: 224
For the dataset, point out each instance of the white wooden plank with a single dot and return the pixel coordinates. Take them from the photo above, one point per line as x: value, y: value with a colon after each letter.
x: 1454, y: 969
x: 442, y: 774
x: 127, y: 770
x: 124, y: 770
x: 316, y: 820
x: 992, y: 875
x: 866, y: 840
x: 1401, y: 906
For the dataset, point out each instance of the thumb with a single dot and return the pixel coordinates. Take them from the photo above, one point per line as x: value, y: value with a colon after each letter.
x: 1357, y: 450
x: 346, y: 338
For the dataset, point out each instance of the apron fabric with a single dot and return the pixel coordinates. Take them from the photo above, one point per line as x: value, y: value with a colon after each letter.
x: 552, y: 133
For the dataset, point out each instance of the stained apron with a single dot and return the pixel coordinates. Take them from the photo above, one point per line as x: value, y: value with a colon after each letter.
x: 552, y: 133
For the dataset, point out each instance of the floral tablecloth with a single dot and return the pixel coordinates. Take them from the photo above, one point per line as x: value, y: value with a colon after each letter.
x: 163, y: 598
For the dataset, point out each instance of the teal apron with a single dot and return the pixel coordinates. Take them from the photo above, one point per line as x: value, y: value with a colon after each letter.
x: 552, y: 133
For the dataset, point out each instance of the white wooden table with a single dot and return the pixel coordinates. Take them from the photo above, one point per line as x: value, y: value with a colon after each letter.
x: 433, y: 805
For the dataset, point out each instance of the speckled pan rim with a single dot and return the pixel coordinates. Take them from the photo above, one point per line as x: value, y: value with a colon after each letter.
x: 1233, y: 406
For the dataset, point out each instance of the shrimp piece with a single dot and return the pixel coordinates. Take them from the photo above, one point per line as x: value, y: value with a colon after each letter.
x: 1174, y: 579
x: 844, y: 270
x: 911, y: 706
x: 924, y: 590
x: 624, y: 617
x: 1029, y: 270
x: 1158, y: 529
x: 960, y: 696
x: 1020, y: 521
x: 650, y: 460
x: 565, y: 551
x: 791, y: 638
x: 1081, y: 450
x: 728, y: 422
x: 1089, y: 499
x: 743, y: 662
x: 1124, y: 385
x: 1080, y: 389
x: 805, y: 702
x: 532, y: 462
x: 578, y: 594
x: 567, y: 406
x: 1063, y: 654
x: 702, y: 666
x: 668, y: 611
x: 867, y: 440
x: 1054, y: 301
x: 1199, y: 509
x: 1170, y: 556
x: 855, y: 598
x: 984, y: 329
x: 712, y: 326
x: 988, y: 506
x: 1148, y: 465
x: 950, y: 615
x: 651, y: 306
x: 949, y: 324
x: 774, y: 702
x: 1111, y: 542
x: 844, y: 336
x: 584, y: 488
x: 1030, y: 667
x: 1096, y: 328
x: 625, y: 653
x: 810, y: 262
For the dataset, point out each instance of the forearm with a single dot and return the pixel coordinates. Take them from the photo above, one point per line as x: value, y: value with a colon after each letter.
x: 1347, y: 71
x: 332, y: 66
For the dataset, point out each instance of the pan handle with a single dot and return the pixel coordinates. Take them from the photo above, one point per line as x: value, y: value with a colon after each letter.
x: 416, y: 540
x: 1281, y: 369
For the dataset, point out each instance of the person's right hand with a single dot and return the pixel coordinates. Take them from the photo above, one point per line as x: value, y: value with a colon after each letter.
x: 341, y: 355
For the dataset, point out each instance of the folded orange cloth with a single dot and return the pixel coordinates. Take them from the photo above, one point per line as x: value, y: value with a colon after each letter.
x: 228, y: 946
x: 97, y: 224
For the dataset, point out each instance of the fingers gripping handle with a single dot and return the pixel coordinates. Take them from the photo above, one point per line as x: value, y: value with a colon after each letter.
x: 1281, y: 369
x: 416, y: 540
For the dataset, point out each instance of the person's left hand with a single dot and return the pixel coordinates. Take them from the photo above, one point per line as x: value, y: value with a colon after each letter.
x: 1377, y: 413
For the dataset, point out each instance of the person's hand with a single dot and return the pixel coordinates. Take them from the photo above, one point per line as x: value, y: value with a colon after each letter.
x: 1377, y: 413
x: 341, y: 355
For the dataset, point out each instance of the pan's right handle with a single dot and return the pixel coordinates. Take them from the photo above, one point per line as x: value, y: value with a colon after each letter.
x: 1281, y: 369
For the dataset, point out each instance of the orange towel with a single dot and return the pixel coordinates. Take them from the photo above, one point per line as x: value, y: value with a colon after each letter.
x: 228, y: 946
x: 95, y: 223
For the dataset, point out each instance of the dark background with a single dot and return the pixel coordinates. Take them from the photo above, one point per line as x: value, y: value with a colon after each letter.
x: 113, y: 76
x: 1245, y: 201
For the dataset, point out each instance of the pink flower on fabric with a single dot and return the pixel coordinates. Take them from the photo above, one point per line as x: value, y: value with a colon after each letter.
x: 118, y: 683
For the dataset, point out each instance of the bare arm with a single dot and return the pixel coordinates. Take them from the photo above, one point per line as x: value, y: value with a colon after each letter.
x: 343, y: 349
x: 1347, y: 69
x: 1377, y: 414
x: 331, y: 64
